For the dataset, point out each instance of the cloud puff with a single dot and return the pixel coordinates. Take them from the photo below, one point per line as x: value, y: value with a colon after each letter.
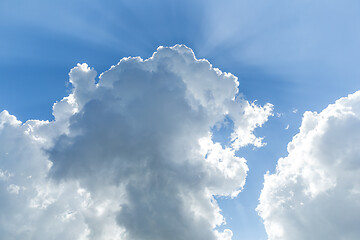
x: 32, y: 206
x: 315, y: 191
x: 129, y: 157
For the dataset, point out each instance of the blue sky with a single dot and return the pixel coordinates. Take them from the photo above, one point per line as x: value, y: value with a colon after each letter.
x: 297, y: 55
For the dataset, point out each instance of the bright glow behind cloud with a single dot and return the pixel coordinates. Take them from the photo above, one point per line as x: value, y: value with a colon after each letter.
x: 130, y: 157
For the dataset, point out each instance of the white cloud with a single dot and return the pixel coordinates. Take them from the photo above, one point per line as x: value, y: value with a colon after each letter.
x: 130, y: 157
x: 315, y: 191
x: 14, y: 189
x: 29, y: 201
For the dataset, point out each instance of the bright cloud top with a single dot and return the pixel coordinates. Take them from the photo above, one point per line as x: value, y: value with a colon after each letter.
x: 315, y: 191
x: 130, y: 157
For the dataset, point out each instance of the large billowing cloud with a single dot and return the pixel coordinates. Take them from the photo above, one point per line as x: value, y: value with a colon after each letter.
x: 130, y: 156
x: 315, y: 191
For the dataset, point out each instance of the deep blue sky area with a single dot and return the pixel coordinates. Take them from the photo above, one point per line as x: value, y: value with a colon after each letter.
x: 297, y: 55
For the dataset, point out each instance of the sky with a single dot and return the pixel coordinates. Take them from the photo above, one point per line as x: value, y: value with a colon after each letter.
x: 251, y: 121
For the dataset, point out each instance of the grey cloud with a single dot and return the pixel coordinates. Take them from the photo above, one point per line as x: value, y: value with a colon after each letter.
x: 140, y: 130
x: 131, y: 157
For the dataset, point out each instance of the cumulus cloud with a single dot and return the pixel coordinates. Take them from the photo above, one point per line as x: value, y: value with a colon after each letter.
x: 315, y: 191
x: 129, y: 157
x: 32, y: 206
